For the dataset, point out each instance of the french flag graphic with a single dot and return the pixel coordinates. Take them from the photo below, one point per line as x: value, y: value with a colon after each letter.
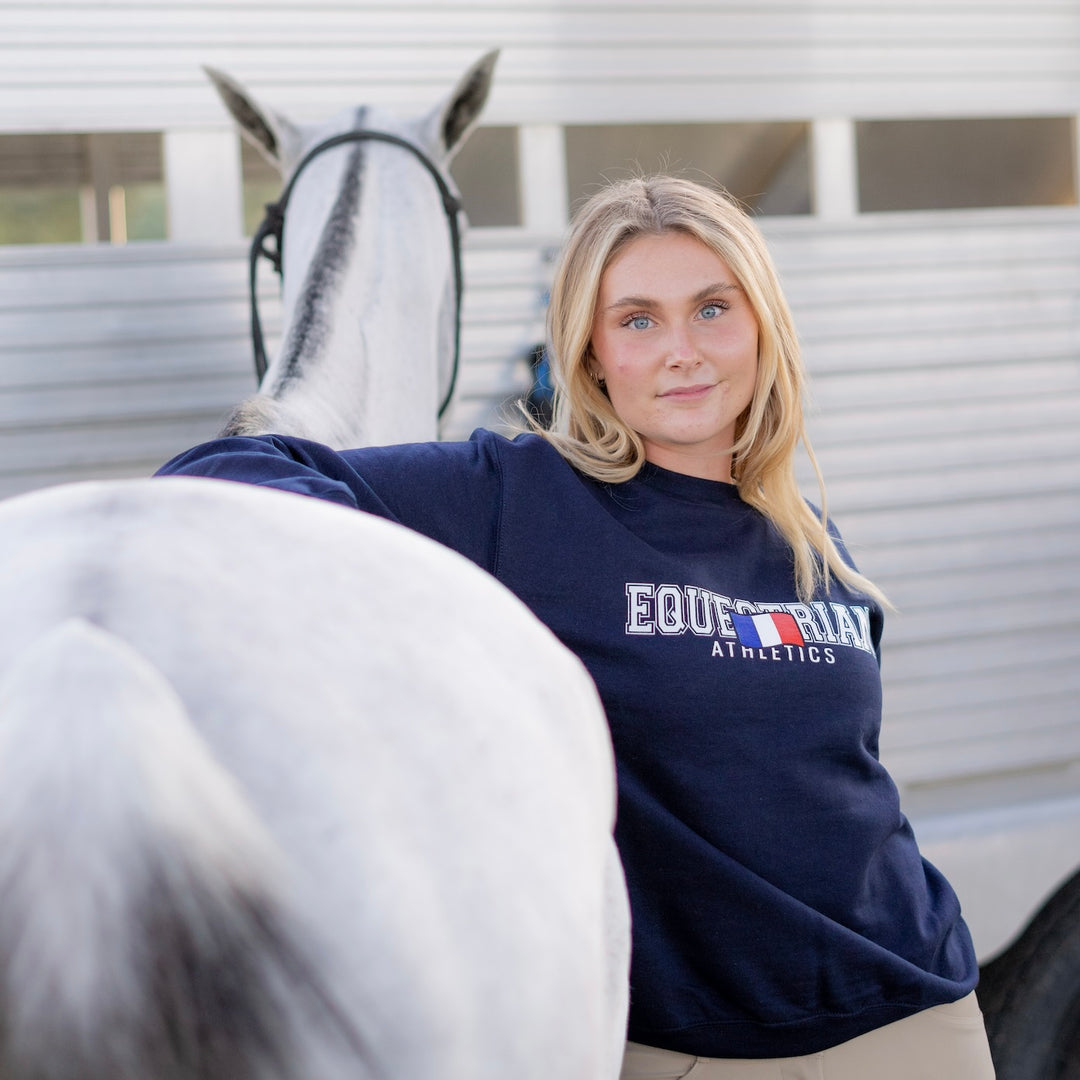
x: 760, y: 631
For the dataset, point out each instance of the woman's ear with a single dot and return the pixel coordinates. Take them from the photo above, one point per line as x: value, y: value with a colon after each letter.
x: 592, y: 366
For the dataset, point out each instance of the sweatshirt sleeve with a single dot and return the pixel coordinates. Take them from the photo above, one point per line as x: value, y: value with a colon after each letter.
x: 450, y: 492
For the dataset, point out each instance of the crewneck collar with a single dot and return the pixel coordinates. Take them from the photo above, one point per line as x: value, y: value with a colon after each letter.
x: 687, y: 487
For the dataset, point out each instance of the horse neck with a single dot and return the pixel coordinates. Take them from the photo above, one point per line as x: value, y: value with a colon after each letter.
x: 368, y: 275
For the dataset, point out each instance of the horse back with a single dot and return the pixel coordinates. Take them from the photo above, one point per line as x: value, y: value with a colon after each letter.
x: 420, y: 780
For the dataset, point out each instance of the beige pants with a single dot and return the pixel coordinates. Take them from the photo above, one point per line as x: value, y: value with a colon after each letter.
x: 944, y: 1043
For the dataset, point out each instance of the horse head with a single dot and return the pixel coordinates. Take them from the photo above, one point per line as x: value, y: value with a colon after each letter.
x: 371, y: 286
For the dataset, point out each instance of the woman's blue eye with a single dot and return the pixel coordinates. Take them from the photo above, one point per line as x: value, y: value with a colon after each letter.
x: 711, y: 311
x: 640, y: 322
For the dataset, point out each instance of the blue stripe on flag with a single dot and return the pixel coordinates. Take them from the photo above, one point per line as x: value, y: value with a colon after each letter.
x: 746, y: 629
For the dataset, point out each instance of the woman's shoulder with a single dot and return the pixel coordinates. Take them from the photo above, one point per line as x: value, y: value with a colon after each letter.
x: 526, y: 450
x: 834, y: 534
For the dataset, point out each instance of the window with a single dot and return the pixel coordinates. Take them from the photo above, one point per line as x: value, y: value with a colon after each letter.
x: 262, y: 185
x: 67, y: 188
x: 40, y: 181
x: 952, y: 164
x: 485, y: 170
x: 764, y: 165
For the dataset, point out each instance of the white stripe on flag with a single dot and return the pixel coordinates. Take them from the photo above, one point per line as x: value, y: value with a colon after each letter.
x: 766, y: 629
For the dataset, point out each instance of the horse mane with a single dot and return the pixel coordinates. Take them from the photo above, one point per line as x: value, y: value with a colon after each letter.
x: 255, y: 416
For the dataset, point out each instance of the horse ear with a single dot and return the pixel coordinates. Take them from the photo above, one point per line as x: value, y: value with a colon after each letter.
x: 452, y: 120
x: 276, y: 138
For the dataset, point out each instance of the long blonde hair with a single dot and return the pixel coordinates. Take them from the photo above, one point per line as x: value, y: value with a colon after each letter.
x: 586, y: 429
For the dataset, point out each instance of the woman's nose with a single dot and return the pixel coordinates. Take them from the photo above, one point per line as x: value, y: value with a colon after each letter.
x: 681, y: 348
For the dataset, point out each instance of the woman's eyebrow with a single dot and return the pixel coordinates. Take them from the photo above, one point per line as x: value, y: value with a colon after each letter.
x: 630, y: 301
x: 715, y: 289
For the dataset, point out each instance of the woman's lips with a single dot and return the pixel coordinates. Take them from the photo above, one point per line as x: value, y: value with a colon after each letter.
x: 687, y: 393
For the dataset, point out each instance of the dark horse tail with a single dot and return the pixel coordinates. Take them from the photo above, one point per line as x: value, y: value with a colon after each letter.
x: 143, y: 932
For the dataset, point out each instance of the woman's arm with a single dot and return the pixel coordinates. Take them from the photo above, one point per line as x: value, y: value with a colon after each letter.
x: 450, y: 492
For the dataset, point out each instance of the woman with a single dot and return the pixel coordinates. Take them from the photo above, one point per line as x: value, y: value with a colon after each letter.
x: 784, y: 922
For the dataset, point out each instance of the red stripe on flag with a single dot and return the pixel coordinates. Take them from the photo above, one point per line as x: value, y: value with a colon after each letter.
x: 788, y: 628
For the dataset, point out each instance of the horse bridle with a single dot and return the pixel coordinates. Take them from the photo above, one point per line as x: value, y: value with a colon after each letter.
x: 273, y: 227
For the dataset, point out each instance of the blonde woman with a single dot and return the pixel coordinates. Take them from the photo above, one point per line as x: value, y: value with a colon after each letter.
x: 785, y: 924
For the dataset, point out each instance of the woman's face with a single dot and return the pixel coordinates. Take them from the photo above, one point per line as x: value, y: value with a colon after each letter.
x: 676, y: 342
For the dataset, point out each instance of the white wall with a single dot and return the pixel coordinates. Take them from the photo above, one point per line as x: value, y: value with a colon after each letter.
x: 125, y: 65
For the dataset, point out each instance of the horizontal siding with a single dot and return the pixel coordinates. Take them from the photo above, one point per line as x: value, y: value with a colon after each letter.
x: 134, y: 65
x: 945, y: 360
x: 944, y: 353
x: 114, y: 359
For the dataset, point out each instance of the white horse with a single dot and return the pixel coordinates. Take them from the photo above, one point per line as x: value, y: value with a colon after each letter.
x: 287, y: 791
x: 369, y: 293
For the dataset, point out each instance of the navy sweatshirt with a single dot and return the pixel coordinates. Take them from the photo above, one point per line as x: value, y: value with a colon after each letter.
x: 780, y: 904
